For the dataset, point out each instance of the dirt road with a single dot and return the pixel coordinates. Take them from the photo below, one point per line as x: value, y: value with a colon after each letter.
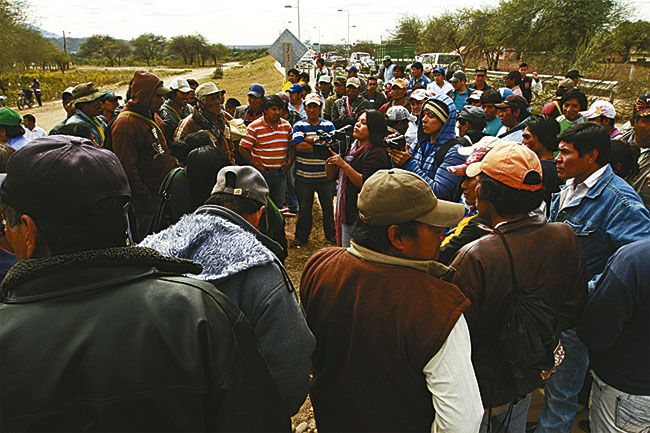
x: 52, y: 112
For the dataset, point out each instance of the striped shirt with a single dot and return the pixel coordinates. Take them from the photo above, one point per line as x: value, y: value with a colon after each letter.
x: 308, y: 167
x: 268, y: 145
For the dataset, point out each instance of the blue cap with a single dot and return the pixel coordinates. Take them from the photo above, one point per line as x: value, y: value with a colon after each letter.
x: 295, y: 88
x: 352, y: 69
x: 256, y: 90
x: 439, y: 69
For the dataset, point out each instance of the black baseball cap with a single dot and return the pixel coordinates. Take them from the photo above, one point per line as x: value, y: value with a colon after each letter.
x: 61, y: 178
x: 573, y: 73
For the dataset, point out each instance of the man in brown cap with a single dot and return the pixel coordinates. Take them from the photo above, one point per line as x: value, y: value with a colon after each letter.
x: 392, y: 338
x: 139, y: 142
x: 88, y: 108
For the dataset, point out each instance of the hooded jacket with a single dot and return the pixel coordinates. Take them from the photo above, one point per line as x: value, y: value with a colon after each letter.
x: 139, y: 141
x: 235, y: 259
x: 423, y: 154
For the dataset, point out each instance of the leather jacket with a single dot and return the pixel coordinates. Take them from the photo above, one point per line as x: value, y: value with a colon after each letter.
x: 545, y: 255
x: 115, y: 340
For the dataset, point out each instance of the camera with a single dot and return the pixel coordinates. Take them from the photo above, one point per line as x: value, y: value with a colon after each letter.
x: 338, y: 141
x: 397, y: 142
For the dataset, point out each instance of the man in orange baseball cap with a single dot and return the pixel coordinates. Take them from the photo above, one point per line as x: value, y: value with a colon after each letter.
x: 543, y: 255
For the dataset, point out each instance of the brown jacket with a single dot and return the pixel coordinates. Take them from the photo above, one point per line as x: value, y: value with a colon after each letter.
x: 545, y: 255
x: 219, y: 132
x: 139, y: 140
x: 376, y: 327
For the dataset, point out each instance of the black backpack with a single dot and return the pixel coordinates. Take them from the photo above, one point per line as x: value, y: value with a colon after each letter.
x: 530, y: 334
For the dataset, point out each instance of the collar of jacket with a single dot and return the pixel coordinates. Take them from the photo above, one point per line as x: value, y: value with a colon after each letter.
x: 235, y: 218
x: 35, y: 279
x: 431, y: 267
x: 595, y: 191
x: 534, y: 220
x: 203, y: 121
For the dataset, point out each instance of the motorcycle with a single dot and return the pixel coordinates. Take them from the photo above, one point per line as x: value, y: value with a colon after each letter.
x: 25, y: 98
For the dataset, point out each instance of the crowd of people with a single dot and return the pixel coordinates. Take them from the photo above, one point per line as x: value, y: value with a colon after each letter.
x: 479, y: 251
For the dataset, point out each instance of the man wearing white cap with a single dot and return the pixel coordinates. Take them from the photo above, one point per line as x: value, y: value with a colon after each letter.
x: 603, y: 112
x: 176, y: 106
x: 392, y: 339
x: 208, y: 116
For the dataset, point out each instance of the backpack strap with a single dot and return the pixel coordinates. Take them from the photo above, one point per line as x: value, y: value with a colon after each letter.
x: 442, y: 152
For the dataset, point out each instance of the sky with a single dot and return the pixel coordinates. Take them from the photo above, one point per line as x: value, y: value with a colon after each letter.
x: 243, y: 22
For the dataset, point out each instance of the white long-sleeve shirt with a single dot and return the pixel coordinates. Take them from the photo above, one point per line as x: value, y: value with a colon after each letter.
x: 451, y: 380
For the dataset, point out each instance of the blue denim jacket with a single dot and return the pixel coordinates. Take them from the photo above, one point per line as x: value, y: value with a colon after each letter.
x: 609, y: 216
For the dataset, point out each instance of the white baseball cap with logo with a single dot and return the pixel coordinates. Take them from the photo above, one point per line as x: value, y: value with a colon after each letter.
x: 600, y: 108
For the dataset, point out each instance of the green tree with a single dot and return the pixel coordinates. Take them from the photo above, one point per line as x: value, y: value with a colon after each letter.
x: 364, y: 47
x: 149, y: 47
x: 408, y: 30
x: 216, y: 52
x: 628, y: 35
x: 447, y: 32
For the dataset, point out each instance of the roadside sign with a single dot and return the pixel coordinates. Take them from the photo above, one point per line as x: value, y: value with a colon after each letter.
x: 277, y: 50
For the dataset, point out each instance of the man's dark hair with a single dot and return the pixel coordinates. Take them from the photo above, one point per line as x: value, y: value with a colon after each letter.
x: 515, y: 75
x: 523, y: 65
x: 105, y: 228
x: 272, y: 101
x: 372, y: 78
x: 181, y: 148
x: 624, y: 158
x: 13, y: 131
x: 240, y: 205
x: 76, y: 130
x: 203, y: 165
x: 29, y: 117
x: 192, y: 82
x: 401, y: 68
x: 507, y: 201
x: 232, y: 103
x: 588, y: 136
x: 575, y: 94
x: 491, y: 97
x: 376, y: 237
x: 293, y: 71
x: 321, y: 61
x: 417, y: 65
x: 546, y: 129
x: 305, y: 76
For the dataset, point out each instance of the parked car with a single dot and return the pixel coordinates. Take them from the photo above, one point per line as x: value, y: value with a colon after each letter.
x: 335, y: 60
x: 363, y: 61
x: 450, y: 61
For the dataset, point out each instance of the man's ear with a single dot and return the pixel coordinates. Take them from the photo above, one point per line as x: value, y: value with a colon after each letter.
x: 593, y: 155
x: 31, y: 236
x: 396, y: 239
x: 256, y: 216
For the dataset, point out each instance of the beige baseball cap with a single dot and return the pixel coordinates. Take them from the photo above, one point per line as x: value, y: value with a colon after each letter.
x: 396, y: 196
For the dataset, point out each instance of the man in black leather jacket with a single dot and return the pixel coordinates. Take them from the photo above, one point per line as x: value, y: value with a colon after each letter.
x: 99, y: 336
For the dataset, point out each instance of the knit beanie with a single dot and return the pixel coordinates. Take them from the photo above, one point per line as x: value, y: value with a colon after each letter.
x: 438, y: 109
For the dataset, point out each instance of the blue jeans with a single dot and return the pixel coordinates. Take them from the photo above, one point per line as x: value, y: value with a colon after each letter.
x: 305, y: 192
x: 292, y: 198
x: 502, y: 423
x: 560, y: 403
x: 277, y: 182
x: 612, y: 410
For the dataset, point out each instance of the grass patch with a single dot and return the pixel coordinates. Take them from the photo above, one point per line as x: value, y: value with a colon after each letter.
x: 237, y: 80
x: 53, y: 83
